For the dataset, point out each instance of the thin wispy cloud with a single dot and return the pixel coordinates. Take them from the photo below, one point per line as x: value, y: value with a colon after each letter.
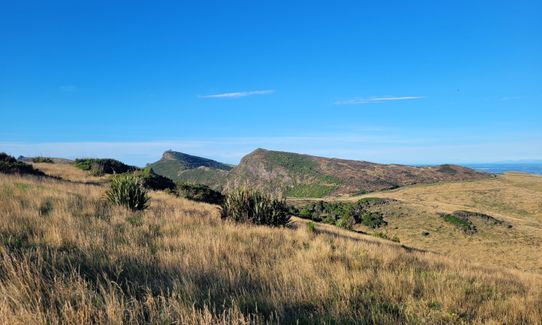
x: 238, y: 94
x: 374, y: 100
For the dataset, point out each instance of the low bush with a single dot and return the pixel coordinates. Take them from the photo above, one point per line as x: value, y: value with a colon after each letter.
x: 346, y: 222
x: 153, y: 181
x: 254, y: 207
x: 311, y: 227
x: 372, y: 220
x: 385, y: 236
x: 127, y: 190
x: 460, y: 222
x: 345, y: 214
x: 42, y: 160
x: 10, y: 165
x: 200, y: 193
x: 103, y: 166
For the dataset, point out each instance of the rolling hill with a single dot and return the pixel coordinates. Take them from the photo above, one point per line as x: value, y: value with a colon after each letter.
x: 298, y: 175
x: 180, y: 166
x: 506, y: 212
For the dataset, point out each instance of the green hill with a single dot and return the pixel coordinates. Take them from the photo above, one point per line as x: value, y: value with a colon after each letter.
x: 183, y: 167
x: 298, y: 175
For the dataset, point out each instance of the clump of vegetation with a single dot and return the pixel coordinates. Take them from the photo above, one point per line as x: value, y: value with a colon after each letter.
x: 345, y: 214
x: 10, y: 165
x: 100, y: 167
x: 447, y: 169
x: 45, y: 207
x: 127, y: 190
x: 199, y: 192
x: 248, y: 206
x: 297, y: 163
x: 311, y: 227
x: 41, y: 159
x: 484, y: 217
x: 153, y: 181
x: 460, y: 222
x: 386, y: 237
x: 372, y: 219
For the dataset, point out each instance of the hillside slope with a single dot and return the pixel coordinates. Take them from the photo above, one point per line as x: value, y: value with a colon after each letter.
x: 179, y: 166
x: 298, y: 175
x: 511, y: 237
x: 68, y: 257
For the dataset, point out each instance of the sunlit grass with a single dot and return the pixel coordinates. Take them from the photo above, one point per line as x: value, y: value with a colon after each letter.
x: 67, y: 256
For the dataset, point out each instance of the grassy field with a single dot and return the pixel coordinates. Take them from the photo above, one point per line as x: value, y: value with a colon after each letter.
x: 514, y: 198
x: 67, y: 256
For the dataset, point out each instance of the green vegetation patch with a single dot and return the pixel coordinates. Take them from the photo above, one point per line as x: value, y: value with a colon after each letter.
x: 200, y: 193
x: 386, y: 236
x: 126, y: 190
x: 42, y: 160
x: 460, y: 222
x: 10, y: 165
x: 447, y: 169
x: 247, y: 206
x: 484, y: 217
x: 344, y: 214
x: 103, y: 166
x: 153, y: 181
x: 296, y: 163
x: 214, y: 178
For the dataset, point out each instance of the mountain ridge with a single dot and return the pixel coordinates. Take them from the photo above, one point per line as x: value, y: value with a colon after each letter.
x: 302, y: 175
x: 183, y: 167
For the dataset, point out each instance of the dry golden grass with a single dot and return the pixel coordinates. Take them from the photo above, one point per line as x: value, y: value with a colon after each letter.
x: 515, y: 198
x: 69, y: 172
x: 68, y: 257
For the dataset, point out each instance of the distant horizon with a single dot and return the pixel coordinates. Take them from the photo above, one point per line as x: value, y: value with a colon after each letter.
x: 139, y: 163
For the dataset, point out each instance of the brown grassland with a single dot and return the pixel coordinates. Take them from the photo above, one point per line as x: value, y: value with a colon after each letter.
x: 514, y: 198
x: 67, y: 256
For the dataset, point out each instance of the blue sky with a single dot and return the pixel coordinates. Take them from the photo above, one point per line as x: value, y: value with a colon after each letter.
x: 385, y: 81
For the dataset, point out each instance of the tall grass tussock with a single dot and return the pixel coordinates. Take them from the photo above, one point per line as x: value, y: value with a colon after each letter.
x: 248, y: 206
x: 127, y: 190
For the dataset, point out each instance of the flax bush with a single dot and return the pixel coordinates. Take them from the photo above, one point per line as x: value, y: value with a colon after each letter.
x: 248, y: 206
x: 127, y: 190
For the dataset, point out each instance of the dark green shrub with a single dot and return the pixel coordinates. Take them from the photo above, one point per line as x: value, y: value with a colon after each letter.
x: 311, y: 227
x: 42, y: 160
x: 382, y: 235
x: 153, y: 181
x: 460, y: 222
x: 372, y: 220
x: 346, y: 222
x: 200, y: 193
x: 10, y: 165
x: 345, y: 214
x: 254, y: 207
x: 45, y: 207
x: 305, y: 213
x: 103, y: 166
x: 126, y: 190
